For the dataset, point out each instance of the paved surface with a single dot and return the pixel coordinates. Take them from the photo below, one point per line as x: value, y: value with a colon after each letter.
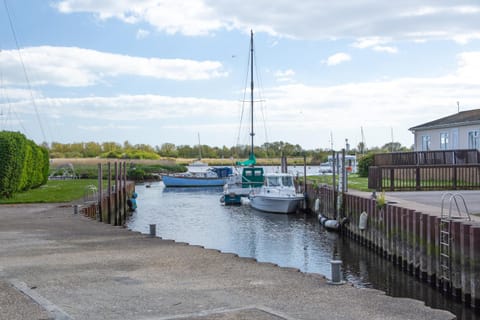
x: 57, y: 265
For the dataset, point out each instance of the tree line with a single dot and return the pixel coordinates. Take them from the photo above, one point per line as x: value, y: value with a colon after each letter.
x: 170, y: 150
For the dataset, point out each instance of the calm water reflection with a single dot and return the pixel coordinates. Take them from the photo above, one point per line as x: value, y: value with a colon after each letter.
x: 197, y: 217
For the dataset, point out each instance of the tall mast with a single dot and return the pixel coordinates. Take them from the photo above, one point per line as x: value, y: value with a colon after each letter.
x: 251, y: 89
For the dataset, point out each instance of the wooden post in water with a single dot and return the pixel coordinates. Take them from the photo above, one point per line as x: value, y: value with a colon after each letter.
x: 109, y: 202
x: 124, y: 197
x: 100, y: 193
x: 475, y: 266
x: 455, y: 261
x: 115, y: 211
x: 423, y: 247
x: 465, y: 262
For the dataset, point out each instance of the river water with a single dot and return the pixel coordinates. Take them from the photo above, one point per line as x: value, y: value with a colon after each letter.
x: 196, y: 216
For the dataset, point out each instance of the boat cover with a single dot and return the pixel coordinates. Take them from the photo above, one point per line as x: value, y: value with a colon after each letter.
x: 250, y: 162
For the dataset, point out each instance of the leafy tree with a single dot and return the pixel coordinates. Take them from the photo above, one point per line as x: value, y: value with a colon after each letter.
x: 168, y: 150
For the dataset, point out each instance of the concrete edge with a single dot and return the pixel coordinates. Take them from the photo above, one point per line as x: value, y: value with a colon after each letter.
x: 54, y: 311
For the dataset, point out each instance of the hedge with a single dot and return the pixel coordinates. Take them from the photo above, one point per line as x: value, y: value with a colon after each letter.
x: 24, y: 164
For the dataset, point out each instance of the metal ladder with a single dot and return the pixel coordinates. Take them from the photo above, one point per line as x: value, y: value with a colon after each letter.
x: 445, y: 234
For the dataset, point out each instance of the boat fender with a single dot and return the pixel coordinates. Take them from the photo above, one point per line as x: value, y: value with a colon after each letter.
x: 322, y: 219
x: 332, y: 224
x: 362, y: 223
x: 222, y: 199
x: 317, y: 205
x: 345, y: 221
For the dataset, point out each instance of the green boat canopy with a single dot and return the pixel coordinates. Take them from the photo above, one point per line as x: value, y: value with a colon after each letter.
x: 250, y: 162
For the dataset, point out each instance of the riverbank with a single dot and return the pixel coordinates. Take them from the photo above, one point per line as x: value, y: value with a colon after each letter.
x: 77, y: 268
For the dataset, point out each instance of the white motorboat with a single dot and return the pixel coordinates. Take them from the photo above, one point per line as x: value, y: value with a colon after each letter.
x: 277, y: 195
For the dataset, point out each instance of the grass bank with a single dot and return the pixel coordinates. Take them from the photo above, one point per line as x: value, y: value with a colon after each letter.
x: 52, y: 192
x: 354, y: 181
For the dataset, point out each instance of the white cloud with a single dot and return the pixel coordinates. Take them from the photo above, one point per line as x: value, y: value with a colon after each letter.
x: 369, y: 42
x: 189, y: 17
x: 142, y: 33
x: 309, y: 19
x: 76, y: 67
x: 378, y: 106
x: 386, y: 49
x: 284, y: 75
x: 338, y: 58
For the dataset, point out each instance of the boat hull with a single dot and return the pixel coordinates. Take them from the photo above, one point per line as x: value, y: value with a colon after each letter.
x: 276, y: 204
x: 180, y: 181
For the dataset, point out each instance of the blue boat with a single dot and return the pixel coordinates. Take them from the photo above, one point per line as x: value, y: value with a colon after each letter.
x: 240, y: 186
x: 213, y: 177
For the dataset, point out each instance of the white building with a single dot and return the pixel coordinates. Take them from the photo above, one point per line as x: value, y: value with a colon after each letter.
x: 457, y: 131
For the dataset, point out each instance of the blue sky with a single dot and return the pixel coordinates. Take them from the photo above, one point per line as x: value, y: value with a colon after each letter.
x: 158, y: 71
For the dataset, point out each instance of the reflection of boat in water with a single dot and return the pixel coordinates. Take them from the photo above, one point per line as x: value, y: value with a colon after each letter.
x: 209, y: 178
x: 215, y: 189
x: 277, y: 195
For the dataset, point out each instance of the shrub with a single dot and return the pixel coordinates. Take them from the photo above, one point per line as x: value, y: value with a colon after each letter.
x: 24, y: 164
x: 364, y: 163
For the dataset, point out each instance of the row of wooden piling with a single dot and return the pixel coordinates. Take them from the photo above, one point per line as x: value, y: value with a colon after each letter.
x: 111, y: 204
x: 411, y: 240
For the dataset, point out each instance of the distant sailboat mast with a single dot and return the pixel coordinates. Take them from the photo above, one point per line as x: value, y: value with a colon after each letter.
x: 199, y: 147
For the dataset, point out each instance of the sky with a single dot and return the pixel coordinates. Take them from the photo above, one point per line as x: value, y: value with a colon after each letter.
x: 169, y: 71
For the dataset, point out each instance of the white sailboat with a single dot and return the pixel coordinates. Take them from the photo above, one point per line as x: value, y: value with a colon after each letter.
x: 248, y: 177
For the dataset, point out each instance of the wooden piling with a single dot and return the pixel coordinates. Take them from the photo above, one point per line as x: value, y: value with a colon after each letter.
x: 455, y: 260
x: 475, y: 266
x: 423, y: 247
x: 465, y: 262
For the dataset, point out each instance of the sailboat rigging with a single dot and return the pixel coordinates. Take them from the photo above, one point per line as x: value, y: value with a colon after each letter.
x: 251, y: 159
x: 239, y: 186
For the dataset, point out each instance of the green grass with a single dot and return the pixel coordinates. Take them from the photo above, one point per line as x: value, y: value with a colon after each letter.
x: 354, y: 181
x: 52, y: 192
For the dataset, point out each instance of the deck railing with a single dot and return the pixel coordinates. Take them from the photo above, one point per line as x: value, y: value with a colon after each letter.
x: 421, y: 158
x: 425, y: 170
x: 429, y: 177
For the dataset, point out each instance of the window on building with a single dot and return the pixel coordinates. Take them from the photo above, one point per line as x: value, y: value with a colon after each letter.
x: 443, y: 140
x: 454, y: 139
x: 426, y: 143
x: 474, y: 139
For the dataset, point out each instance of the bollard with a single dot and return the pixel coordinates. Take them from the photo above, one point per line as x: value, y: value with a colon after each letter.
x: 153, y: 230
x: 75, y: 209
x: 336, y: 272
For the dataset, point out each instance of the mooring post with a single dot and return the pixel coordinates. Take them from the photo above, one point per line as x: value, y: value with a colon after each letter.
x: 124, y: 196
x: 423, y: 244
x: 115, y: 211
x: 465, y: 262
x: 109, y: 197
x: 336, y: 272
x: 100, y: 193
x: 455, y: 260
x: 475, y: 266
x: 153, y: 230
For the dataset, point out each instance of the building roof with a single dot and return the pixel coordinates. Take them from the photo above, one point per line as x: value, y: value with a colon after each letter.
x: 463, y: 118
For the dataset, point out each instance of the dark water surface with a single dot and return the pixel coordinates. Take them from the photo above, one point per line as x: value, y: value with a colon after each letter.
x: 196, y: 216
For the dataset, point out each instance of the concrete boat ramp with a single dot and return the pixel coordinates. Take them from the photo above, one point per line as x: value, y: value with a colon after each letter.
x: 57, y: 265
